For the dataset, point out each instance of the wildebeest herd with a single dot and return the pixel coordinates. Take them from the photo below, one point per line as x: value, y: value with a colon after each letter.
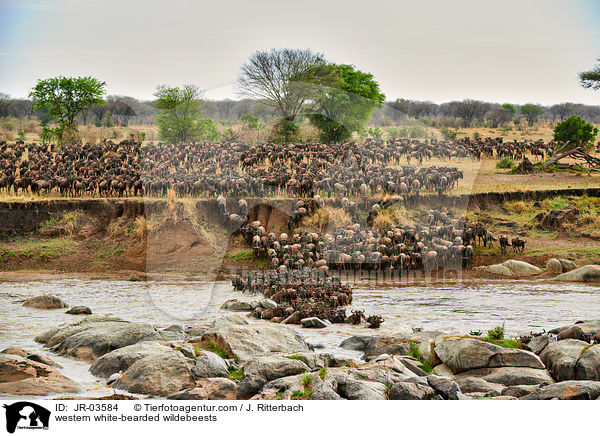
x: 201, y: 169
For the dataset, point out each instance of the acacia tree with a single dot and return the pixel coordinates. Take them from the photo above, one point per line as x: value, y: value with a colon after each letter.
x: 279, y: 79
x: 591, y: 78
x: 469, y: 110
x: 531, y: 112
x: 576, y: 131
x: 64, y: 98
x: 345, y: 104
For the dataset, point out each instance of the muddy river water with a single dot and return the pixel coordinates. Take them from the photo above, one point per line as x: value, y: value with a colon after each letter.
x: 450, y: 306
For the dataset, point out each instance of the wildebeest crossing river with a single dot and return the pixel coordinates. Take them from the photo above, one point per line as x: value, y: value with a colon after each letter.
x: 450, y: 306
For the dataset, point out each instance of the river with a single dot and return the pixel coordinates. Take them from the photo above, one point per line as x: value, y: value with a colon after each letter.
x: 449, y: 306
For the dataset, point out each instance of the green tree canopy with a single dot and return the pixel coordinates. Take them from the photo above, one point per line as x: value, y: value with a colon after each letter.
x: 180, y: 118
x: 591, y: 78
x: 531, y: 112
x: 344, y: 102
x: 64, y: 98
x: 577, y: 131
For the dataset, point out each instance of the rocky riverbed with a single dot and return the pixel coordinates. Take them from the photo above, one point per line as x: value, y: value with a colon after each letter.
x: 238, y: 357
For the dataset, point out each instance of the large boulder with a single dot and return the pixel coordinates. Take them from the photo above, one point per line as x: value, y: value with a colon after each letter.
x: 445, y: 386
x: 45, y: 302
x: 209, y: 365
x: 588, y: 365
x: 500, y: 270
x: 567, y: 265
x: 561, y: 357
x: 408, y: 391
x: 400, y: 344
x: 463, y: 354
x: 583, y: 330
x: 537, y: 344
x: 509, y: 375
x: 162, y: 373
x: 22, y: 376
x: 554, y: 267
x: 79, y: 310
x: 246, y: 341
x: 475, y: 384
x: 91, y: 337
x: 567, y: 390
x: 238, y: 306
x: 122, y: 358
x: 557, y: 218
x: 208, y: 389
x: 521, y: 269
x: 587, y: 273
x: 274, y: 367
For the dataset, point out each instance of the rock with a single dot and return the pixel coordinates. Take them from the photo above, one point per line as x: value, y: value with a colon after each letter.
x: 387, y: 345
x: 443, y: 370
x: 588, y: 273
x: 209, y: 365
x: 521, y: 269
x: 193, y: 331
x: 31, y: 356
x: 45, y: 302
x: 537, y: 344
x: 500, y: 270
x: 462, y: 354
x: 325, y: 392
x: 314, y: 322
x: 554, y: 267
x: 317, y: 361
x: 266, y: 303
x: 518, y: 391
x: 353, y: 389
x: 79, y: 310
x: 22, y: 376
x: 408, y: 391
x: 94, y: 336
x: 587, y: 328
x: 162, y: 373
x: 561, y: 357
x: 229, y: 320
x: 273, y: 367
x: 208, y: 389
x: 246, y: 341
x: 413, y: 365
x: 510, y: 376
x: 357, y: 343
x: 475, y: 384
x: 567, y: 390
x: 249, y: 386
x: 557, y: 218
x: 447, y: 387
x: 588, y: 365
x: 238, y: 306
x: 122, y: 358
x: 567, y: 265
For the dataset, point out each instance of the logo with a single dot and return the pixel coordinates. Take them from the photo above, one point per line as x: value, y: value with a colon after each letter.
x: 26, y: 415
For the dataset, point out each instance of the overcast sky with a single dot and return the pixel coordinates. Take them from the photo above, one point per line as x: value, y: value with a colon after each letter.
x: 515, y: 51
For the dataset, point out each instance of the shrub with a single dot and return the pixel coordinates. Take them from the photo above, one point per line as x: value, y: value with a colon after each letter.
x: 505, y: 163
x: 497, y: 333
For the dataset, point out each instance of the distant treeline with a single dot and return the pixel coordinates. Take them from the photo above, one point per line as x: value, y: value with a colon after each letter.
x: 123, y: 111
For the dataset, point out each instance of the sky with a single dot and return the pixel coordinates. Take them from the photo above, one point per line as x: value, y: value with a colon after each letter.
x: 516, y: 51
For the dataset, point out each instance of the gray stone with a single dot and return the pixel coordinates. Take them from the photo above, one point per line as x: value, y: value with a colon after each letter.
x: 357, y: 343
x: 519, y: 391
x: 246, y: 341
x: 266, y: 303
x: 567, y: 390
x: 238, y: 306
x: 249, y: 386
x: 314, y: 322
x: 554, y: 267
x: 463, y: 354
x: 561, y: 357
x: 325, y: 392
x: 209, y: 365
x: 93, y: 336
x: 352, y: 389
x: 45, y: 302
x: 122, y: 358
x: 521, y: 269
x: 208, y: 389
x: 274, y: 367
x: 587, y: 273
x: 408, y: 391
x: 475, y: 384
x: 537, y: 344
x: 588, y: 365
x: 567, y: 265
x: 500, y: 270
x: 79, y: 310
x: 510, y: 376
x: 447, y: 387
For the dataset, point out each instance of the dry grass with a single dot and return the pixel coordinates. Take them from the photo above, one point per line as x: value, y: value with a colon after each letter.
x: 391, y: 217
x: 63, y: 224
x: 324, y: 219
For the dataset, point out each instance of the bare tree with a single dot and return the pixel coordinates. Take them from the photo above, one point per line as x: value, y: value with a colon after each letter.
x: 276, y: 78
x: 469, y: 110
x: 562, y: 110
